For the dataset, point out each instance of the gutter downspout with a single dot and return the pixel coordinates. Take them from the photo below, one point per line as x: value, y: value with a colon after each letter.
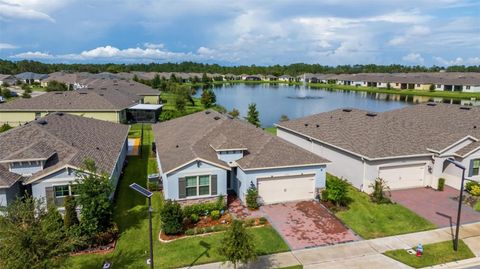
x: 364, y: 172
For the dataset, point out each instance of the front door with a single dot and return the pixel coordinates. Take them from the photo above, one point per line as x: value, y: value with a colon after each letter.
x: 229, y: 180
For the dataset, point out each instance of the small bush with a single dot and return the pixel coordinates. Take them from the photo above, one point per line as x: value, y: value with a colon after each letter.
x: 337, y: 191
x: 194, y: 218
x: 380, y: 190
x: 262, y: 220
x: 215, y: 214
x: 477, y: 206
x: 203, y: 209
x: 218, y: 228
x: 152, y: 186
x: 106, y: 237
x: 252, y: 196
x: 199, y: 230
x: 475, y: 191
x: 249, y: 222
x: 172, y: 217
x: 469, y: 185
x: 324, y: 195
x: 441, y: 184
x: 190, y: 232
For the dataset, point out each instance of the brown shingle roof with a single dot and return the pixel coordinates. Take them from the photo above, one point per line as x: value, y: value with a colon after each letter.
x: 96, y: 99
x: 182, y: 140
x: 407, y: 131
x: 74, y: 139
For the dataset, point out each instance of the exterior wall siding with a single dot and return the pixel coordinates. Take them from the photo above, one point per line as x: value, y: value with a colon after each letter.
x: 26, y: 169
x: 9, y: 195
x: 62, y: 177
x: 151, y: 99
x: 230, y: 157
x: 170, y: 181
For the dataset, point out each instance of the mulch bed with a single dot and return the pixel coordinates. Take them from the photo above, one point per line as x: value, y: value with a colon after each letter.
x: 98, y: 250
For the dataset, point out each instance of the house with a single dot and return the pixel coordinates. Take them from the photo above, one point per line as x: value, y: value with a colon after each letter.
x: 286, y: 78
x: 252, y: 78
x: 30, y: 77
x: 207, y: 154
x: 9, y: 79
x: 407, y: 147
x: 104, y: 103
x: 270, y: 78
x: 43, y: 156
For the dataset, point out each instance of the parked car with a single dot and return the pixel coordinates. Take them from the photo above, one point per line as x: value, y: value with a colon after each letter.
x: 2, y: 99
x: 14, y: 94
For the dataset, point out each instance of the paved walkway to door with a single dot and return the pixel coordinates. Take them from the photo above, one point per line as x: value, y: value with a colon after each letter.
x: 307, y: 224
x: 435, y: 206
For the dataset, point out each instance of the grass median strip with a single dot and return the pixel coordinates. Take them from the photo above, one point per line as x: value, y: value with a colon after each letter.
x: 433, y: 254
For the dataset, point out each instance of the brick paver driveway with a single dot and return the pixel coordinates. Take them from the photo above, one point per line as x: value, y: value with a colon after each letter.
x: 435, y: 206
x: 307, y: 224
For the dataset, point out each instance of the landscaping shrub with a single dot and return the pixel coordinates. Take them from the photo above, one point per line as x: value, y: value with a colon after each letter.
x: 252, y: 196
x: 469, y: 185
x: 441, y: 184
x: 477, y: 206
x: 194, y: 218
x: 336, y: 191
x: 262, y: 220
x: 70, y: 219
x: 152, y: 186
x: 249, y: 222
x: 380, y: 188
x: 203, y: 209
x: 190, y: 232
x: 475, y: 191
x: 108, y: 236
x: 220, y: 203
x: 172, y: 217
x: 215, y: 214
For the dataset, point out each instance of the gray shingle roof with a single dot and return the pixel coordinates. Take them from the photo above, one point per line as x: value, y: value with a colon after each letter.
x: 73, y: 139
x: 407, y: 131
x: 7, y: 178
x: 96, y: 99
x: 182, y: 140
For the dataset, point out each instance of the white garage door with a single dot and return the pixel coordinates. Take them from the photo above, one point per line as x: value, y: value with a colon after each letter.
x: 403, y: 176
x: 284, y: 189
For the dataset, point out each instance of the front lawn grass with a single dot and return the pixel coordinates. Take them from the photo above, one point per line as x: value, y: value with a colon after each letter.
x: 371, y: 220
x: 433, y: 254
x: 131, y: 216
x: 272, y: 130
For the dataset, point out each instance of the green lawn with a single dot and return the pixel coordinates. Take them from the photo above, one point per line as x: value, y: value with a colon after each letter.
x: 371, y: 220
x: 170, y: 103
x: 293, y: 267
x: 272, y: 130
x: 132, y: 219
x: 433, y: 254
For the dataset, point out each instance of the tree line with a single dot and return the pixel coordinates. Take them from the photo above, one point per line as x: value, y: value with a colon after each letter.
x: 15, y: 67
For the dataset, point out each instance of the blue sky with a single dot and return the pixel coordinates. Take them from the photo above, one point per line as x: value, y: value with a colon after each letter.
x: 328, y: 32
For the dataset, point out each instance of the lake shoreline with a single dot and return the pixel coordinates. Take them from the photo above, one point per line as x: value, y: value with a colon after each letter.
x: 438, y: 94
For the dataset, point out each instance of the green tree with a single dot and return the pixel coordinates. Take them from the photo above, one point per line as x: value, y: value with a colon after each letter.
x: 70, y: 218
x: 32, y: 237
x: 251, y: 197
x: 171, y: 215
x: 93, y: 191
x: 208, y: 98
x: 284, y: 118
x: 206, y: 79
x: 253, y: 115
x: 180, y: 103
x: 5, y: 127
x: 432, y: 87
x: 381, y: 191
x: 6, y: 93
x: 234, y: 113
x: 135, y: 78
x: 173, y: 78
x: 237, y: 244
x: 156, y: 81
x: 55, y: 86
x: 26, y: 95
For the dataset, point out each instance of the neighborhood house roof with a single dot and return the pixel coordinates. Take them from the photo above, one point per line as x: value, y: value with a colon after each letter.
x: 196, y: 136
x: 30, y: 75
x: 90, y: 99
x: 65, y: 140
x: 408, y: 131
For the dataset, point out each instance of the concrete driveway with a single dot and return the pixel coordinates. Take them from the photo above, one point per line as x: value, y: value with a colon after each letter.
x: 307, y: 224
x: 435, y: 206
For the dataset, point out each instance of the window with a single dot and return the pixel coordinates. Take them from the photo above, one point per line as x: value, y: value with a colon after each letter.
x: 38, y: 115
x: 467, y: 87
x: 191, y: 185
x: 197, y: 186
x: 61, y: 191
x: 203, y: 185
x: 476, y: 167
x: 439, y: 86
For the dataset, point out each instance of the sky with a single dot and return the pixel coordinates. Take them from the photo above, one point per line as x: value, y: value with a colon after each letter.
x: 242, y: 32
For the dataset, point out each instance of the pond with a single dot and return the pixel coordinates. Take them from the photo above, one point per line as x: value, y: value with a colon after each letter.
x: 299, y: 101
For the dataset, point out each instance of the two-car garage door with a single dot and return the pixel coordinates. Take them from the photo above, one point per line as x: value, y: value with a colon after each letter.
x: 286, y: 188
x: 403, y: 176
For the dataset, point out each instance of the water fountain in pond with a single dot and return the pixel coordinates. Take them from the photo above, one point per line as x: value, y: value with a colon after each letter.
x: 302, y: 93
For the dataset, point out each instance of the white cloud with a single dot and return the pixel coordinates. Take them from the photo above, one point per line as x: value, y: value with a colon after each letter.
x: 413, y: 58
x: 153, y: 46
x: 411, y: 34
x: 6, y: 46
x: 13, y: 11
x: 33, y: 55
x: 457, y: 61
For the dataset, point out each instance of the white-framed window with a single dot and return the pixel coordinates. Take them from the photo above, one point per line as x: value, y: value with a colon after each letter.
x: 61, y: 191
x: 439, y: 86
x: 476, y: 167
x: 197, y: 186
x: 467, y: 87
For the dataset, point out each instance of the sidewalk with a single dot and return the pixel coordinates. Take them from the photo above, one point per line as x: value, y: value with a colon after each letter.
x: 366, y: 254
